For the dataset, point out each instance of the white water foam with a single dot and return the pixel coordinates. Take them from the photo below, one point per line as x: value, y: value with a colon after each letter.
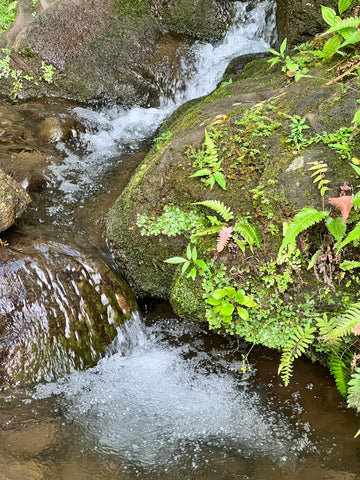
x: 157, y: 409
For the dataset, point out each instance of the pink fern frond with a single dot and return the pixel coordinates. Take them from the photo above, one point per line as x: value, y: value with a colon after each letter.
x: 344, y: 203
x: 223, y: 238
x: 356, y: 329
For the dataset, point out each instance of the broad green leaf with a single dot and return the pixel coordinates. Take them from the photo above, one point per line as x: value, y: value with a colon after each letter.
x: 243, y: 313
x: 220, y: 179
x: 283, y: 46
x: 201, y: 173
x: 211, y: 182
x: 337, y: 227
x: 356, y: 201
x: 185, y: 267
x: 227, y: 309
x: 230, y: 292
x: 248, y: 302
x: 343, y: 5
x: 192, y: 273
x: 349, y: 265
x: 329, y: 15
x: 194, y: 254
x: 313, y: 260
x: 274, y: 52
x: 240, y: 296
x: 214, y: 301
x: 220, y: 293
x: 175, y: 260
x: 351, y: 38
x: 226, y: 318
x: 331, y: 46
x: 274, y: 61
x: 188, y: 251
x: 356, y: 118
x: 200, y: 263
x: 351, y: 237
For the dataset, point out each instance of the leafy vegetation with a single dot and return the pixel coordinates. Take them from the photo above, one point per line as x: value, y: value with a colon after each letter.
x: 7, y: 14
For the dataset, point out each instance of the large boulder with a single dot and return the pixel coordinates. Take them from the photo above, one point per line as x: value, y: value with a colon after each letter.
x: 109, y: 50
x: 13, y: 201
x: 267, y: 176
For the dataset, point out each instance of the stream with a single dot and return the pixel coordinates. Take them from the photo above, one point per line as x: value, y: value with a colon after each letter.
x: 167, y: 399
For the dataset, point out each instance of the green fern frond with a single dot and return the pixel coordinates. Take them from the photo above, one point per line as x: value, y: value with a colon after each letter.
x: 209, y: 231
x: 345, y: 323
x: 353, y: 236
x: 326, y: 325
x: 353, y: 398
x: 219, y: 207
x: 339, y: 364
x: 302, y: 221
x: 249, y: 233
x: 337, y: 227
x: 351, y: 22
x: 297, y: 344
x: 356, y: 201
x: 211, y: 150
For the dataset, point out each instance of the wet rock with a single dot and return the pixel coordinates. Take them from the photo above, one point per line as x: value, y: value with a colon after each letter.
x: 59, y: 310
x: 106, y: 50
x: 300, y: 20
x: 13, y: 201
x: 55, y: 129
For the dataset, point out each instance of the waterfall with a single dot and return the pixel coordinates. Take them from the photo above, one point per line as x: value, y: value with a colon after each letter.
x: 113, y: 131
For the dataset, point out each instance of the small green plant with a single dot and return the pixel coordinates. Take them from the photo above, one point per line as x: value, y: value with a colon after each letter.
x: 297, y: 125
x: 171, y: 223
x: 162, y: 139
x: 191, y: 257
x: 291, y: 67
x: 48, y: 72
x: 209, y: 165
x: 7, y: 14
x: 225, y: 300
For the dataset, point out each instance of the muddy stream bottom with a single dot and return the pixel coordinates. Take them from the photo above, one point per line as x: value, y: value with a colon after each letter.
x: 178, y: 406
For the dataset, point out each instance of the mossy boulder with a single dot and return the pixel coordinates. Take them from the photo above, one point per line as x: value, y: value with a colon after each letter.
x: 13, y: 201
x: 266, y: 174
x: 107, y: 50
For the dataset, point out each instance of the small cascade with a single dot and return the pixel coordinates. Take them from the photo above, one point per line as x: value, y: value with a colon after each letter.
x: 114, y: 131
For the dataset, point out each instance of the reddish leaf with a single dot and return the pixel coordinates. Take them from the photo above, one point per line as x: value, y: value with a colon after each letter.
x: 356, y: 329
x: 344, y: 203
x: 223, y: 238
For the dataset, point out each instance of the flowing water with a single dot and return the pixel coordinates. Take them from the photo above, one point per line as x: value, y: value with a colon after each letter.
x: 169, y: 399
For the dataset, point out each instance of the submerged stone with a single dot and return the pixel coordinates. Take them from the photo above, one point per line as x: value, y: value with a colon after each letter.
x: 13, y: 201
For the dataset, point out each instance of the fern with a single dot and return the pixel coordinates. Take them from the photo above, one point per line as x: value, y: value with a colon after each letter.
x: 223, y: 238
x: 336, y: 227
x: 353, y: 398
x: 345, y: 323
x: 351, y: 22
x: 339, y: 364
x: 219, y: 208
x: 209, y: 231
x: 249, y: 233
x: 297, y: 344
x: 211, y: 150
x: 353, y: 236
x: 302, y: 221
x: 356, y: 201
